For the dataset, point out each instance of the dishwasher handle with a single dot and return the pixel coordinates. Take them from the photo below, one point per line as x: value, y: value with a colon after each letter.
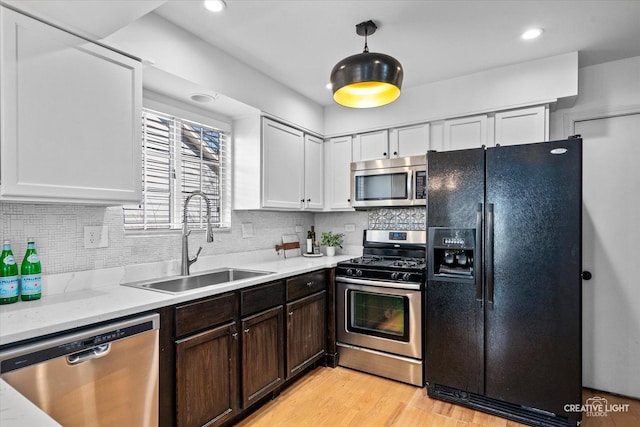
x: 90, y: 354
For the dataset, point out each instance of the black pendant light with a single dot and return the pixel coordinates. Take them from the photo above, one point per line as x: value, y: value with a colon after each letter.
x: 367, y: 79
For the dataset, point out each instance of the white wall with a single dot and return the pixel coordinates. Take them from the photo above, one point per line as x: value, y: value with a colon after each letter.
x: 180, y: 53
x: 608, y: 87
x: 529, y: 83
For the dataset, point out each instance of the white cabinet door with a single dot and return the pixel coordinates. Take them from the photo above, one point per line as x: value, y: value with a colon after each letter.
x: 282, y: 166
x: 338, y: 173
x: 70, y: 117
x: 371, y: 146
x: 313, y: 173
x: 467, y: 132
x: 409, y: 141
x: 522, y: 126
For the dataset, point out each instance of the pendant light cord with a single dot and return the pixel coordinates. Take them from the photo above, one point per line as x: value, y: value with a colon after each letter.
x: 366, y: 47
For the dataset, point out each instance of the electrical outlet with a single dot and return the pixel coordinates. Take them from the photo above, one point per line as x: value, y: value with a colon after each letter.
x: 349, y: 227
x: 96, y: 237
x: 247, y: 230
x: 298, y: 229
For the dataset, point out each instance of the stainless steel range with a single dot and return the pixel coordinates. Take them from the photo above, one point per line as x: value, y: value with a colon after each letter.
x: 379, y: 306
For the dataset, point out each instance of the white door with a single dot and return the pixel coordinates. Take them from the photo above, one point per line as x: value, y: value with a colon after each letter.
x: 611, y: 252
x: 338, y: 173
x: 282, y: 166
x: 467, y: 132
x: 522, y: 126
x: 313, y: 173
x: 70, y: 119
x: 371, y: 146
x: 409, y: 141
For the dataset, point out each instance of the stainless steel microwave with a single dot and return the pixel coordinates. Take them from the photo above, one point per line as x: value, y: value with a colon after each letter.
x: 389, y: 182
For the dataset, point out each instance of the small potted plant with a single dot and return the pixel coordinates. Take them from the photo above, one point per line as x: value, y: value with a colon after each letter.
x: 331, y: 240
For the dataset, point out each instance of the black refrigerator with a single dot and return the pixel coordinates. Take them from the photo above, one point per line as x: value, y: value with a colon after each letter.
x: 503, y: 295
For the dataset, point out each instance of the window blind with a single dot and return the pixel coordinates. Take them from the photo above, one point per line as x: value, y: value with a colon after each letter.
x: 178, y: 157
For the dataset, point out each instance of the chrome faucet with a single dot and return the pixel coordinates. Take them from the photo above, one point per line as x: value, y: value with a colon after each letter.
x: 186, y: 262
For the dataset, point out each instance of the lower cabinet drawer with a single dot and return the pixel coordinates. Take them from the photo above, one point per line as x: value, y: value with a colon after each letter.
x: 261, y: 297
x: 203, y: 314
x: 306, y: 284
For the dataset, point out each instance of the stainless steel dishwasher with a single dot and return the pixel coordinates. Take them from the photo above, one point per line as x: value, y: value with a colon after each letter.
x: 104, y: 376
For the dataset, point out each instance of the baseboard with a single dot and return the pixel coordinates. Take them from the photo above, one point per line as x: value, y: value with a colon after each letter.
x: 521, y: 414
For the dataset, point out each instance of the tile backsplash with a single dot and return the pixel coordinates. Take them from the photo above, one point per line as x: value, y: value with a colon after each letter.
x: 58, y: 231
x: 413, y: 218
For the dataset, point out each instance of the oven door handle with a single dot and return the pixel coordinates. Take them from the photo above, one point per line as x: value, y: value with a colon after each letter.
x: 414, y: 286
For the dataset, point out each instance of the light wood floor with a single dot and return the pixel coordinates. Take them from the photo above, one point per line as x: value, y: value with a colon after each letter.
x: 343, y: 397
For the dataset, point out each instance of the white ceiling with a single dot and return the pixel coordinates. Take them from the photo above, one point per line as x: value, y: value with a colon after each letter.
x: 297, y: 42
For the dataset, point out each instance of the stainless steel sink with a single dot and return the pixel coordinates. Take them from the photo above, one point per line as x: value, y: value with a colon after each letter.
x: 188, y: 283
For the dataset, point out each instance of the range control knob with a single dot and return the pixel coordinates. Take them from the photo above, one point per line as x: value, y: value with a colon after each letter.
x: 406, y: 276
x: 358, y: 272
x: 394, y: 275
x: 349, y: 271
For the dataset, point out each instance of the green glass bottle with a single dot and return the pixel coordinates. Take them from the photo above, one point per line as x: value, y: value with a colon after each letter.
x: 8, y: 275
x: 31, y: 272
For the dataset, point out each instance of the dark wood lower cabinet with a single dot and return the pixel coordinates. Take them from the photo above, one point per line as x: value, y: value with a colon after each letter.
x: 207, y: 377
x: 306, y: 332
x: 262, y: 354
x: 220, y: 355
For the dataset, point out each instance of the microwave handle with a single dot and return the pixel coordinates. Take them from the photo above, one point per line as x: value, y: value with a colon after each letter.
x: 411, y: 192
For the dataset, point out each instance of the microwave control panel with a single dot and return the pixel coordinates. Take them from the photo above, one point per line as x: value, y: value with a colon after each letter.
x: 421, y: 185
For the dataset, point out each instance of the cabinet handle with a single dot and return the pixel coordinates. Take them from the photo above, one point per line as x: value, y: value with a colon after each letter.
x: 349, y: 200
x: 384, y: 154
x: 291, y: 313
x: 234, y: 335
x: 395, y: 153
x: 308, y: 200
x: 246, y: 331
x: 310, y: 284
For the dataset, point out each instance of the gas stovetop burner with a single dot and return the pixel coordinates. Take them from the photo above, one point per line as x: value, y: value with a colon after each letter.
x: 379, y: 261
x: 388, y: 256
x: 409, y: 263
x: 366, y: 260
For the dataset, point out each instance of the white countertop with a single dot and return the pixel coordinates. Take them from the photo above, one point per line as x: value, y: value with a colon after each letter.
x: 109, y: 301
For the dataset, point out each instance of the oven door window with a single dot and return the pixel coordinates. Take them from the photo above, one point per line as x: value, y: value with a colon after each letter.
x: 380, y: 315
x: 388, y: 186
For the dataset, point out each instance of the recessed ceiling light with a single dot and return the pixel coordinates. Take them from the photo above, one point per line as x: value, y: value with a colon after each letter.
x: 202, y: 97
x: 215, y: 5
x: 531, y: 34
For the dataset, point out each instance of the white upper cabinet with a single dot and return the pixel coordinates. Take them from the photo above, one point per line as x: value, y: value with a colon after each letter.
x: 282, y: 166
x: 371, y: 146
x: 70, y: 117
x: 338, y: 153
x: 466, y: 132
x: 292, y: 168
x: 313, y: 172
x: 522, y: 126
x: 409, y: 141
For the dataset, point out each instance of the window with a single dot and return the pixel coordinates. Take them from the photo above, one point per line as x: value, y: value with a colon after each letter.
x: 178, y: 157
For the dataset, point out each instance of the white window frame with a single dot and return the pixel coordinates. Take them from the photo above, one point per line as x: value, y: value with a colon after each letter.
x: 221, y: 203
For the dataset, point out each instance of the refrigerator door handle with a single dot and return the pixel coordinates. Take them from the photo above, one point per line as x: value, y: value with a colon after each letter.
x: 478, y: 254
x: 489, y: 255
